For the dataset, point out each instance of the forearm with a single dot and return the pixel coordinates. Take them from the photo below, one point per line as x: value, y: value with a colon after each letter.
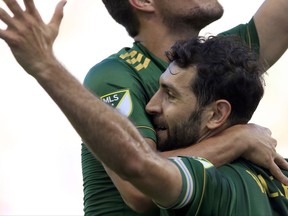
x: 221, y: 149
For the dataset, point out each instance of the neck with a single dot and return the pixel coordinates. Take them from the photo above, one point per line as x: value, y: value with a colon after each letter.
x: 158, y: 39
x: 208, y: 133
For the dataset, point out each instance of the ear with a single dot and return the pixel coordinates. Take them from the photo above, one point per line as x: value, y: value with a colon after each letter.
x: 143, y: 5
x: 219, y: 113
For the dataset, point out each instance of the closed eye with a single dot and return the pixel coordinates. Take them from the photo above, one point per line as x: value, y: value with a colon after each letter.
x: 170, y: 95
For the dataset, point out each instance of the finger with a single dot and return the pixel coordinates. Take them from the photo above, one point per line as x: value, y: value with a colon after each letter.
x: 31, y: 9
x: 14, y: 7
x: 281, y: 162
x: 278, y: 174
x: 273, y: 142
x: 268, y: 131
x: 58, y: 13
x: 5, y: 17
x: 8, y: 36
x: 3, y: 34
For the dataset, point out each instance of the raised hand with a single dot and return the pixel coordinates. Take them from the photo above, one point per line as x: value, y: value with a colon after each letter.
x: 29, y: 38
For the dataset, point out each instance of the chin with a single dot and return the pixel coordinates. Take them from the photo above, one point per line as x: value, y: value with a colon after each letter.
x: 205, y: 15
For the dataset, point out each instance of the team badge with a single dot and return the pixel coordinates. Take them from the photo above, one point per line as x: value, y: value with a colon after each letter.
x: 121, y: 100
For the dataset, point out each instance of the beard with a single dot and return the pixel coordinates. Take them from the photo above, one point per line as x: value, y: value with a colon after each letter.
x: 183, y: 134
x: 195, y: 18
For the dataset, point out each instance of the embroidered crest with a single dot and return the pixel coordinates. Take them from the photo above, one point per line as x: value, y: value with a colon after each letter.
x: 121, y: 100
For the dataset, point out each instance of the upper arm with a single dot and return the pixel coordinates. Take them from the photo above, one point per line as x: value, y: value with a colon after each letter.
x: 135, y: 199
x: 271, y: 21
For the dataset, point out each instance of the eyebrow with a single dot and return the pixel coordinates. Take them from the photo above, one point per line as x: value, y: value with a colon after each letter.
x: 170, y: 71
x: 169, y: 86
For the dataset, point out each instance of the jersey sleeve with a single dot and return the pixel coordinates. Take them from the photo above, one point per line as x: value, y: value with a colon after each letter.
x: 118, y: 85
x: 202, y: 188
x: 193, y: 183
x: 248, y: 33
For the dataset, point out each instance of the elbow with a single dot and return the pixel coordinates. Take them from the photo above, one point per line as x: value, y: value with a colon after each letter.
x: 132, y: 167
x: 133, y: 172
x: 130, y: 171
x: 140, y: 204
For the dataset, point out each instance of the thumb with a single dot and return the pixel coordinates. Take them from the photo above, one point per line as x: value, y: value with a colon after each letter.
x: 58, y: 13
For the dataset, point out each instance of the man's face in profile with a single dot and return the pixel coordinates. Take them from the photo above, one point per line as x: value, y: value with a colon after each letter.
x: 176, y: 115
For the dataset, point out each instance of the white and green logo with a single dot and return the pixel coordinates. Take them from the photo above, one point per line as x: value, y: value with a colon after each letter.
x: 121, y: 100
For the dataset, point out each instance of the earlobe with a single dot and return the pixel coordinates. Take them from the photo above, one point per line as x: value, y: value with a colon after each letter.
x: 220, y: 111
x: 143, y: 5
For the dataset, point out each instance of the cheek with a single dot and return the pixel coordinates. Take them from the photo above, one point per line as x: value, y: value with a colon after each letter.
x: 174, y: 116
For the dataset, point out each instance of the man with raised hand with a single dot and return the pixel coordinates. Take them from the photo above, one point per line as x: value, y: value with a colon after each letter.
x: 31, y: 43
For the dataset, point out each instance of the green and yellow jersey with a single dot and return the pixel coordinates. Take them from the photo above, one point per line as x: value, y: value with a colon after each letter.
x: 239, y: 188
x: 127, y: 80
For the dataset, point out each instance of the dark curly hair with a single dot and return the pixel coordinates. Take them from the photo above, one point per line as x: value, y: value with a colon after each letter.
x: 122, y: 12
x: 226, y: 69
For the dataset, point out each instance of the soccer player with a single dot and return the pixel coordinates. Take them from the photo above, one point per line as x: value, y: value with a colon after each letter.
x: 210, y: 85
x: 31, y: 43
x: 129, y: 78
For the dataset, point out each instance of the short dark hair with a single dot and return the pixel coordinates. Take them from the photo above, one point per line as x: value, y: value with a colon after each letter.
x: 122, y: 12
x: 226, y: 69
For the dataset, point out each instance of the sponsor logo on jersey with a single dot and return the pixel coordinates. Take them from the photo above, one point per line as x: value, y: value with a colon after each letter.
x: 121, y: 100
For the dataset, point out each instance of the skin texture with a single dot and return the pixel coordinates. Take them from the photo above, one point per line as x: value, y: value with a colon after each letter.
x: 31, y: 42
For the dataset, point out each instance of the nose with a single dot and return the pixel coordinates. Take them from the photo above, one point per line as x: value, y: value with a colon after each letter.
x: 154, y: 105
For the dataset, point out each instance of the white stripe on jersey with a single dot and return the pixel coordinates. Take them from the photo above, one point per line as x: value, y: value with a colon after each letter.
x: 189, y: 189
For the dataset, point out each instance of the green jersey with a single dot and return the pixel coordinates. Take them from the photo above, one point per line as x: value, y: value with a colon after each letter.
x: 239, y: 188
x: 127, y: 80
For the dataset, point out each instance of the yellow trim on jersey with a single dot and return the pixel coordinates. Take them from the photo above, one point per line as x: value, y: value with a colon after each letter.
x: 203, y: 190
x: 146, y: 127
x: 136, y: 59
x: 113, y: 93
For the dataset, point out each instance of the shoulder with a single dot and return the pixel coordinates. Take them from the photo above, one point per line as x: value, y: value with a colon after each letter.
x: 112, y: 71
x: 107, y: 68
x: 247, y: 32
x: 241, y: 28
x: 128, y: 62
